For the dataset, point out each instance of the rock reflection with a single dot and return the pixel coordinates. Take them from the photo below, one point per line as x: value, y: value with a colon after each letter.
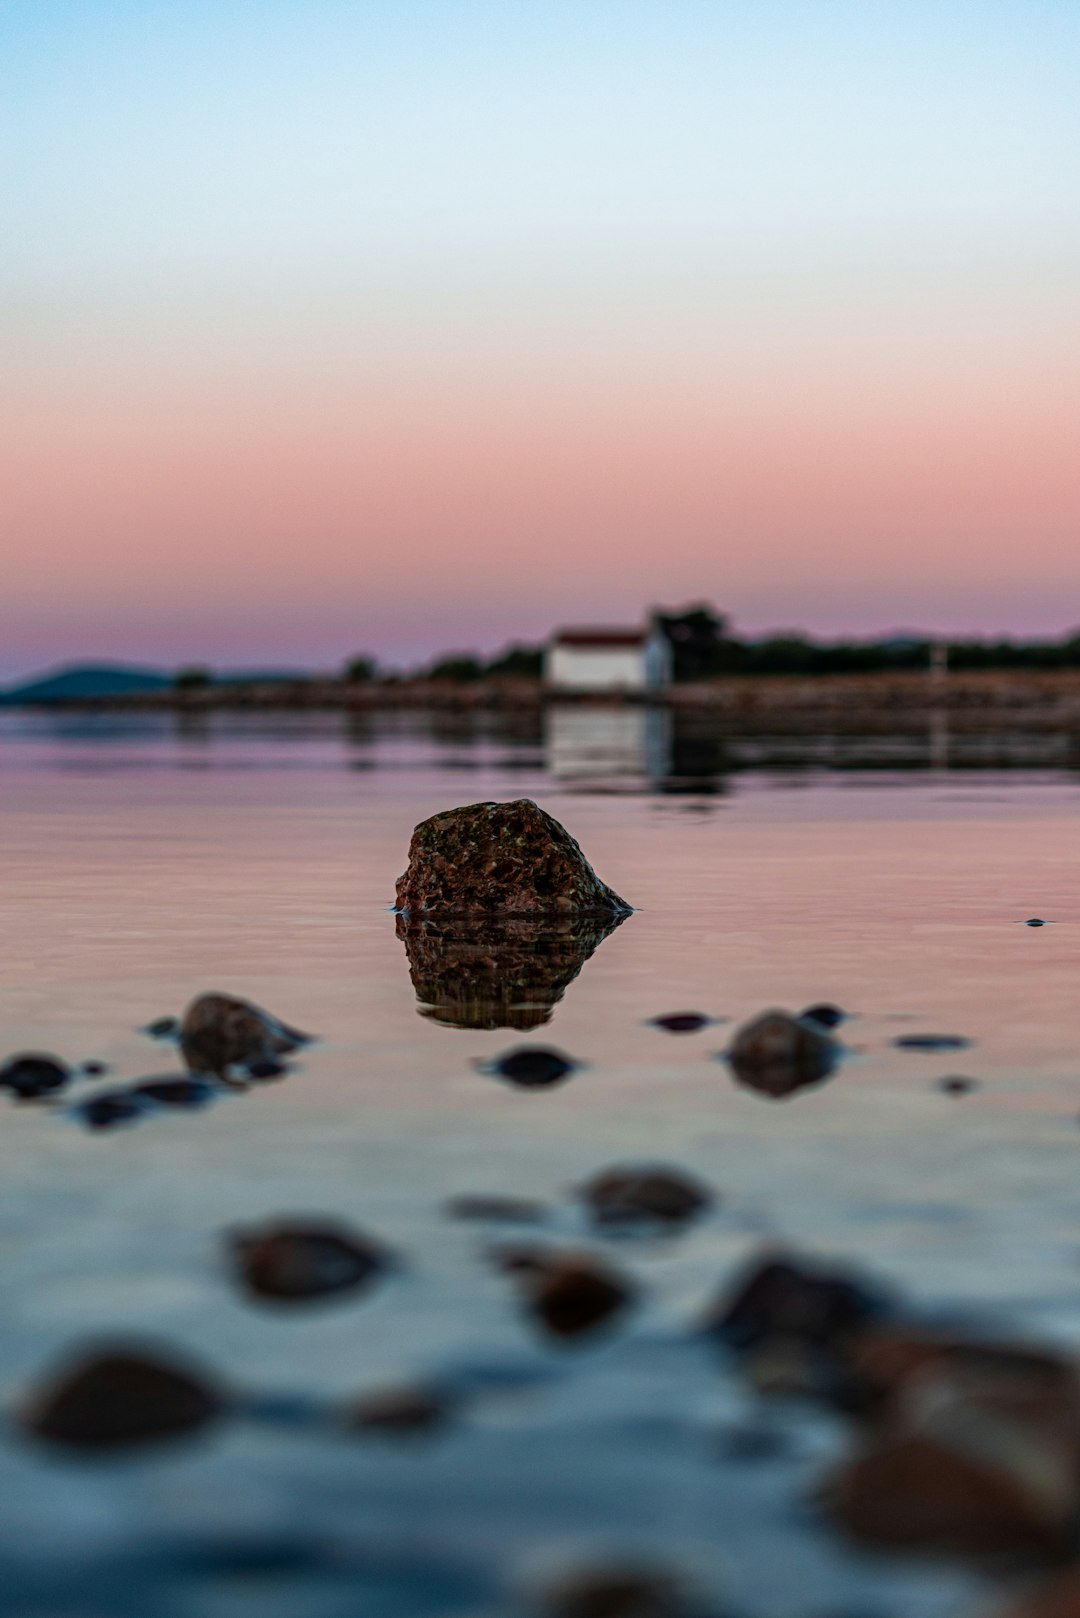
x: 498, y: 974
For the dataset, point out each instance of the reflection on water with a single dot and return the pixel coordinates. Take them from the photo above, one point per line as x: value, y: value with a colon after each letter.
x: 503, y: 974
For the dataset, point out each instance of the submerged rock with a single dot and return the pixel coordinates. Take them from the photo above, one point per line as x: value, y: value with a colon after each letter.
x: 499, y: 1210
x: 777, y: 1054
x: 682, y: 1022
x: 175, y: 1091
x: 932, y: 1042
x: 121, y: 1397
x: 218, y: 1032
x: 568, y: 1294
x: 497, y: 972
x: 110, y: 1108
x: 645, y: 1194
x: 788, y: 1298
x: 824, y: 1014
x: 294, y: 1262
x: 400, y: 1410
x: 32, y: 1075
x: 500, y: 859
x: 532, y: 1067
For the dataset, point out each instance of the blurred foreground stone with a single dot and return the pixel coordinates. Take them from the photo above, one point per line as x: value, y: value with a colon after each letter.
x: 219, y: 1032
x: 120, y: 1397
x: 294, y: 1262
x: 645, y: 1194
x: 777, y: 1054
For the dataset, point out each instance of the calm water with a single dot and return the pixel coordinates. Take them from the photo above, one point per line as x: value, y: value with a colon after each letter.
x: 142, y: 862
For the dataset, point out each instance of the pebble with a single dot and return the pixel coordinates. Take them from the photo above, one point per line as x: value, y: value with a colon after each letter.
x: 1035, y: 921
x: 781, y: 1297
x: 181, y: 1091
x: 266, y: 1069
x: 532, y: 1067
x: 218, y: 1032
x: 682, y: 1022
x: 163, y: 1028
x: 31, y: 1075
x: 114, y: 1399
x: 956, y: 1084
x: 824, y: 1014
x: 108, y: 1110
x: 400, y: 1410
x: 932, y: 1042
x: 570, y: 1295
x: 777, y: 1054
x: 645, y: 1194
x: 619, y: 1591
x: 292, y: 1262
x: 95, y: 1070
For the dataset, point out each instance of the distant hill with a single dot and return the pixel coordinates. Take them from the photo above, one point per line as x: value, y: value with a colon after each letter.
x: 87, y: 680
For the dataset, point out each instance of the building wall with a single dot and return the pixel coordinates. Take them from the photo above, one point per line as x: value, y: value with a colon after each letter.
x: 600, y: 668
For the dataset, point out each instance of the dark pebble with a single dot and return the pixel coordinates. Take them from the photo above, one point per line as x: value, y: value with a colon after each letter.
x: 31, y: 1075
x: 957, y: 1085
x: 175, y: 1092
x: 400, y: 1410
x: 681, y: 1022
x: 1035, y: 921
x: 645, y: 1194
x: 568, y: 1295
x: 793, y: 1301
x: 294, y: 1263
x: 163, y: 1028
x: 932, y: 1042
x: 507, y: 1210
x: 109, y: 1110
x: 825, y: 1015
x: 95, y: 1070
x: 119, y: 1398
x: 533, y: 1067
x: 777, y: 1055
x: 618, y: 1592
x: 266, y: 1069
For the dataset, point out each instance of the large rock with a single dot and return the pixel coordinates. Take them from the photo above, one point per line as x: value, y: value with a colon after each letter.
x: 500, y: 859
x: 119, y: 1398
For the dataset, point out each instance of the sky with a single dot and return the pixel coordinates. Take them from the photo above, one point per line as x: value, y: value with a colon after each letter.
x: 330, y: 326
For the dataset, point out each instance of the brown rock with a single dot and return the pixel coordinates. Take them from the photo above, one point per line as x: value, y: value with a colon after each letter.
x: 218, y: 1032
x: 500, y: 859
x: 787, y: 1297
x: 892, y: 1360
x: 117, y: 1398
x: 567, y: 1294
x: 293, y: 1262
x: 964, y: 1472
x: 777, y: 1054
x: 645, y: 1195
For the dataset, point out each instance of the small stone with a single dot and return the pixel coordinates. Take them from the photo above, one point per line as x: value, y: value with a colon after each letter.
x: 163, y: 1028
x: 219, y: 1032
x: 956, y: 1084
x: 400, y: 1410
x: 499, y: 859
x: 777, y: 1054
x: 618, y: 1591
x: 1035, y: 921
x: 175, y: 1092
x: 95, y: 1070
x: 788, y: 1298
x: 31, y: 1075
x: 293, y: 1263
x: 107, y: 1110
x: 266, y: 1069
x: 824, y: 1014
x: 681, y: 1022
x: 932, y: 1042
x: 114, y: 1399
x: 532, y: 1067
x: 571, y: 1295
x: 645, y: 1195
x: 503, y: 1210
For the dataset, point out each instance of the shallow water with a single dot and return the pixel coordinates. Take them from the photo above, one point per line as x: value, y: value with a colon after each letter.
x: 142, y: 862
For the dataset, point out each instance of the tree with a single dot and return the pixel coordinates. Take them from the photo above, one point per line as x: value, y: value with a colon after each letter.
x: 195, y: 678
x: 460, y: 666
x: 360, y: 670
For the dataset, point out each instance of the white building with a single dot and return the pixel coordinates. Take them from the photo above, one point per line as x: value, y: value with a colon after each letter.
x: 632, y: 660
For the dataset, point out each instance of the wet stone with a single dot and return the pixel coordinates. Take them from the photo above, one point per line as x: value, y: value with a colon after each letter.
x: 570, y: 1295
x: 777, y: 1054
x: 266, y: 1069
x: 824, y: 1015
x: 499, y: 859
x: 645, y: 1194
x: 1035, y: 921
x: 932, y: 1042
x: 681, y: 1022
x: 626, y: 1591
x: 163, y: 1028
x: 94, y: 1070
x: 108, y: 1111
x: 781, y: 1297
x: 119, y: 1398
x: 294, y: 1263
x: 406, y: 1411
x: 532, y: 1067
x: 31, y: 1075
x: 218, y: 1032
x: 956, y: 1084
x: 180, y: 1091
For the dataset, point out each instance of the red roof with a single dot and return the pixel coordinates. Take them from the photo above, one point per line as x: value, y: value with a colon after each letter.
x: 600, y: 637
